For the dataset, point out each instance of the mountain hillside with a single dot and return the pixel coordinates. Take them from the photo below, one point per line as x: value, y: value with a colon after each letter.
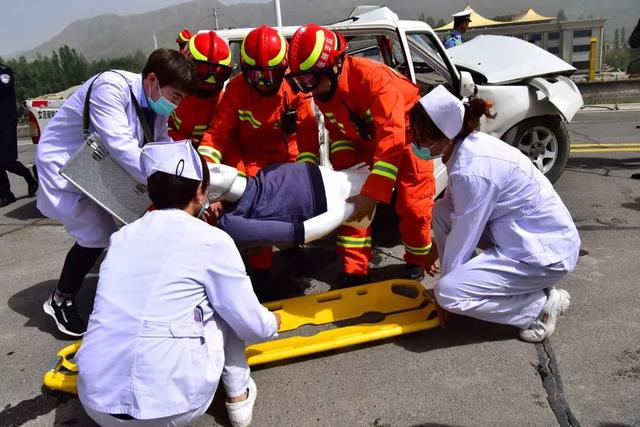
x: 112, y: 35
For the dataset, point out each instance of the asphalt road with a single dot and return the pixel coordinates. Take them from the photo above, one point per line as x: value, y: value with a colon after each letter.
x: 470, y: 374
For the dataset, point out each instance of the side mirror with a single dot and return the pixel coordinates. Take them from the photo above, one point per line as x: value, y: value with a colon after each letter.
x: 467, y: 86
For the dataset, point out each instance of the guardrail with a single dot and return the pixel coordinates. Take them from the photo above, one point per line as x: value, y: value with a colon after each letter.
x: 612, y: 90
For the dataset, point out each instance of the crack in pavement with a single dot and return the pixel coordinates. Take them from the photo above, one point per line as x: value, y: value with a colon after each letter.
x: 552, y: 384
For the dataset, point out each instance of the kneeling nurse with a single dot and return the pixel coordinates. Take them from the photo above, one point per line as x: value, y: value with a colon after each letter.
x: 497, y: 199
x: 173, y: 309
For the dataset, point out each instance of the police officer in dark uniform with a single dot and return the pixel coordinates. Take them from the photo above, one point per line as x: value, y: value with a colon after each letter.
x: 9, y: 140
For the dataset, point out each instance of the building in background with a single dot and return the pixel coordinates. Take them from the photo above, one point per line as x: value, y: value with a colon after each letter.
x: 569, y: 40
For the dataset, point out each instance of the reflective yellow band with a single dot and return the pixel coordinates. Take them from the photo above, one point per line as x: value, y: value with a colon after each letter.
x: 415, y: 250
x: 342, y: 144
x: 246, y: 115
x: 210, y: 153
x: 201, y: 127
x: 280, y: 56
x: 385, y: 169
x: 315, y: 53
x: 195, y: 52
x: 176, y: 120
x: 242, y: 174
x: 245, y: 57
x: 198, y: 132
x: 307, y: 157
x: 353, y: 242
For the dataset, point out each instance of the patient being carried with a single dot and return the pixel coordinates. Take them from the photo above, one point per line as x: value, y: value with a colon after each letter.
x: 285, y: 204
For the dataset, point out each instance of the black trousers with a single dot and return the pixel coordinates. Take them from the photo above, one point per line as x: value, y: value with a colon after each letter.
x: 17, y: 168
x: 77, y: 264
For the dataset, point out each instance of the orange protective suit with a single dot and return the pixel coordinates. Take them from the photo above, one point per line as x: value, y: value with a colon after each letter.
x: 192, y: 117
x: 376, y: 99
x: 246, y: 133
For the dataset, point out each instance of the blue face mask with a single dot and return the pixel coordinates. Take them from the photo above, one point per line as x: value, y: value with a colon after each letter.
x: 162, y: 106
x: 423, y: 153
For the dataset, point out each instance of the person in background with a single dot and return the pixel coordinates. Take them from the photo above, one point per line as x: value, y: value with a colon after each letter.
x: 166, y: 328
x: 167, y: 77
x: 497, y: 199
x: 183, y: 39
x: 461, y: 22
x: 213, y: 67
x: 261, y: 121
x: 366, y: 112
x: 9, y: 140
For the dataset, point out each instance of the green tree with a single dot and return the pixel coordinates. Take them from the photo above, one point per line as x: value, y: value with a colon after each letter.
x: 431, y: 21
x: 616, y: 38
x: 503, y: 18
x: 440, y: 23
x: 561, y: 16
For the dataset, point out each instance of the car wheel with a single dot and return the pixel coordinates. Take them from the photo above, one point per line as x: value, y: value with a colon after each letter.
x: 545, y: 141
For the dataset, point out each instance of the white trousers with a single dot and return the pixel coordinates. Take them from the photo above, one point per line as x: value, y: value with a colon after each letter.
x: 491, y: 286
x: 235, y: 377
x: 81, y: 217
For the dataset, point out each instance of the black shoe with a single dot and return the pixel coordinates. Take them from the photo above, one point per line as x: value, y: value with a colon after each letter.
x: 348, y: 280
x: 413, y: 272
x: 66, y: 316
x: 6, y: 201
x: 32, y: 188
x: 262, y: 283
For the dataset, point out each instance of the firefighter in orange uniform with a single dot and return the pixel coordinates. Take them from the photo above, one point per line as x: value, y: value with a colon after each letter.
x: 213, y: 67
x: 366, y: 109
x: 261, y: 120
x: 183, y: 39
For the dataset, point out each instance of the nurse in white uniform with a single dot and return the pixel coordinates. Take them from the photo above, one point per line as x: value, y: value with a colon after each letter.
x: 165, y: 79
x: 495, y: 198
x: 173, y: 309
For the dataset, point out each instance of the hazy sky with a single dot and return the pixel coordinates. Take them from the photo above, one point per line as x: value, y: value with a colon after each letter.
x: 25, y: 24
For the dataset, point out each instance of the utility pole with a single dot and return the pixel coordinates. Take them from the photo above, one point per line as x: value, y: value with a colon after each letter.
x: 214, y: 15
x: 276, y: 4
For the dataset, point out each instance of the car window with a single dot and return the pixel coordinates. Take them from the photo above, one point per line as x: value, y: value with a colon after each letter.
x: 427, y: 65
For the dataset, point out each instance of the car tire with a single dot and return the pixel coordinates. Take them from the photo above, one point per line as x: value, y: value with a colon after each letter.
x: 545, y: 141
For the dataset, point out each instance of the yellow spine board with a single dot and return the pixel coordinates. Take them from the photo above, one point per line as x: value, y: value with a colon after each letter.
x: 404, y: 305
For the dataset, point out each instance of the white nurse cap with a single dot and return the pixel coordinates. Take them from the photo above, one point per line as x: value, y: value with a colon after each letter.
x: 446, y: 111
x: 173, y: 157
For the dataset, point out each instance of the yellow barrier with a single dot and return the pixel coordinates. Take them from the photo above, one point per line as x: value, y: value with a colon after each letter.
x: 403, y: 306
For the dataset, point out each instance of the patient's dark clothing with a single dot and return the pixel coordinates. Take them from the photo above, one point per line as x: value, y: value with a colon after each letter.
x: 274, y: 205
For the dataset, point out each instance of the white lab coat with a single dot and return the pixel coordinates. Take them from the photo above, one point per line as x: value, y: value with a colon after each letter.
x: 113, y: 117
x: 495, y: 194
x: 153, y: 347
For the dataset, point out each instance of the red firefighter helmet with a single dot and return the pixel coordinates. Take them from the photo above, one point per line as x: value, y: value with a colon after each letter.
x: 264, y: 47
x: 183, y: 37
x: 264, y: 59
x: 212, y: 55
x: 314, y: 47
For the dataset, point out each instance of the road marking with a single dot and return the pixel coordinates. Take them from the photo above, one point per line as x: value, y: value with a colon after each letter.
x: 606, y: 147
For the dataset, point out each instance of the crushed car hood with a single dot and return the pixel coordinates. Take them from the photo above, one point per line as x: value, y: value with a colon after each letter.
x: 503, y: 60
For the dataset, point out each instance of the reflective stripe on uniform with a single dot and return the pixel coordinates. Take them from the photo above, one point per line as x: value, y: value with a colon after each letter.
x: 341, y: 144
x: 385, y: 169
x: 242, y: 174
x: 307, y: 157
x: 176, y: 120
x: 210, y: 153
x: 332, y: 119
x: 199, y: 129
x: 353, y: 242
x: 246, y: 115
x: 417, y: 250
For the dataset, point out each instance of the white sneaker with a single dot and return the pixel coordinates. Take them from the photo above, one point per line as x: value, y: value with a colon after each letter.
x: 557, y: 304
x: 240, y: 413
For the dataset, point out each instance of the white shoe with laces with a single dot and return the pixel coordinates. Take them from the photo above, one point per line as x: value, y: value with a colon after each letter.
x: 558, y: 301
x: 240, y: 413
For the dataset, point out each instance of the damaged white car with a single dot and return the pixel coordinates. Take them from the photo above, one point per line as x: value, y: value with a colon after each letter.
x: 533, y: 96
